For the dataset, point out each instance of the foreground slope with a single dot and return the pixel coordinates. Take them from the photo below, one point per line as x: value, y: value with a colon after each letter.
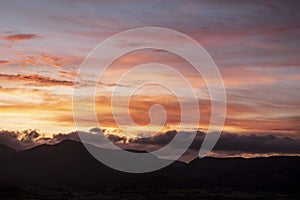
x: 68, y: 166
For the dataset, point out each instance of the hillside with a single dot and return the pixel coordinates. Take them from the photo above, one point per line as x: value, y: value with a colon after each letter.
x: 67, y: 167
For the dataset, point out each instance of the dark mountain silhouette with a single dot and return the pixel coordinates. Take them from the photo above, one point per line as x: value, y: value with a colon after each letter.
x: 5, y: 149
x: 67, y: 169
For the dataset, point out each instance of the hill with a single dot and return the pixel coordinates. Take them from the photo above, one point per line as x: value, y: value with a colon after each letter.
x: 67, y: 169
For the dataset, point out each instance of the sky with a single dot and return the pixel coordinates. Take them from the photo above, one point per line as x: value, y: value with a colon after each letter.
x: 255, y: 45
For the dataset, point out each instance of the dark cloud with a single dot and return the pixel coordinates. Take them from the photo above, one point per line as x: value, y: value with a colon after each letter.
x: 36, y: 79
x: 40, y: 80
x: 116, y: 138
x: 159, y: 140
x: 228, y: 143
x: 258, y: 144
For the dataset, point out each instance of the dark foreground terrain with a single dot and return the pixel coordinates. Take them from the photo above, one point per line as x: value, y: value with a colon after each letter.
x: 67, y: 171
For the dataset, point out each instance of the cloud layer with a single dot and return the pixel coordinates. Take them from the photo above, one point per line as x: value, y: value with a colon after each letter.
x: 228, y: 144
x: 255, y: 45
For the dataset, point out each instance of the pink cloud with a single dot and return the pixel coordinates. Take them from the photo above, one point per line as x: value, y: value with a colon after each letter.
x: 20, y: 37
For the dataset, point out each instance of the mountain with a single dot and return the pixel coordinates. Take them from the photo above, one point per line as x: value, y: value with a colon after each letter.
x: 67, y: 169
x: 5, y: 150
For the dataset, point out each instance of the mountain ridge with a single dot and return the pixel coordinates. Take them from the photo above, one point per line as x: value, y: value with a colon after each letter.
x: 69, y: 165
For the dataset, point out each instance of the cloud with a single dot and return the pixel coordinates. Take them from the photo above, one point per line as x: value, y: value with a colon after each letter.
x: 36, y: 79
x: 228, y: 145
x: 258, y: 144
x: 48, y: 60
x: 20, y: 140
x: 254, y: 45
x: 111, y: 85
x: 232, y: 142
x: 68, y: 73
x: 3, y: 62
x: 20, y: 37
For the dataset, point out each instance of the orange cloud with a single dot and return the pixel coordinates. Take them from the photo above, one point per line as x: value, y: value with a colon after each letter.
x: 3, y: 62
x: 45, y: 60
x: 139, y: 106
x: 21, y: 108
x: 20, y: 37
x: 280, y: 125
x: 67, y: 73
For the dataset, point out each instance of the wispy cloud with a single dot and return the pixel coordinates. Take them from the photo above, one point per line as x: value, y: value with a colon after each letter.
x: 254, y: 44
x: 4, y: 62
x: 20, y: 37
x: 36, y: 79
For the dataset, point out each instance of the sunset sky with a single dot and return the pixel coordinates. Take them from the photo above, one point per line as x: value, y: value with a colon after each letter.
x: 255, y: 45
